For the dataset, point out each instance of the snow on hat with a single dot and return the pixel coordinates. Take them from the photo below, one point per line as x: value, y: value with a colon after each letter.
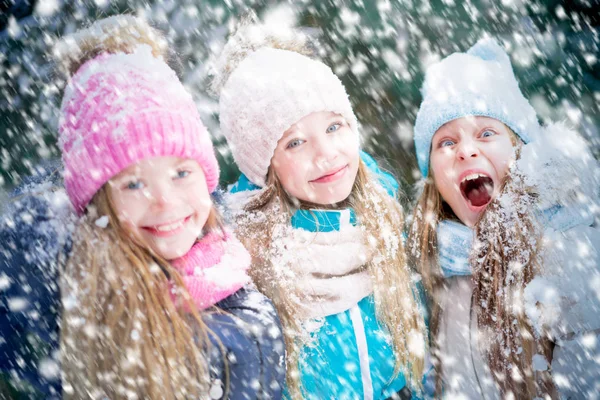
x: 121, y: 108
x: 479, y: 82
x: 268, y: 91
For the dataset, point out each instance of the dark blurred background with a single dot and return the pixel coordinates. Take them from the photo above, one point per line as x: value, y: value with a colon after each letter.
x: 378, y: 48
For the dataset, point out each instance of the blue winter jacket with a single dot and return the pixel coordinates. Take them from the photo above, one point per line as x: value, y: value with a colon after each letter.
x: 330, y: 367
x: 32, y: 235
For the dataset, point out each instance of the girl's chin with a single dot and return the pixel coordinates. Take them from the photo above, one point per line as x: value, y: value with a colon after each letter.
x: 171, y: 251
x: 329, y: 200
x: 326, y: 198
x: 471, y: 214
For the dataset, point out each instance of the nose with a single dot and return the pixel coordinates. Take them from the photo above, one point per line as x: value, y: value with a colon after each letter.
x: 161, y: 194
x: 325, y: 151
x: 467, y: 149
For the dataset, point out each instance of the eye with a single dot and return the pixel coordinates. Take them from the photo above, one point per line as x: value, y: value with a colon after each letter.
x: 294, y: 143
x: 487, y: 133
x: 134, y: 185
x: 333, y: 127
x: 446, y: 143
x: 182, y: 174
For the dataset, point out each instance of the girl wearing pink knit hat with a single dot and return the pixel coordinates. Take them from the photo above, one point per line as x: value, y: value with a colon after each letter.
x: 321, y: 220
x: 151, y: 265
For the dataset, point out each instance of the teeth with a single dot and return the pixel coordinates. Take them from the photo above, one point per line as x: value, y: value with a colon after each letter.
x: 473, y: 177
x: 169, y: 227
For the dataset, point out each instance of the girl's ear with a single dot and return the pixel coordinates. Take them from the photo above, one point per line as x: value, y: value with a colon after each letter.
x: 488, y: 49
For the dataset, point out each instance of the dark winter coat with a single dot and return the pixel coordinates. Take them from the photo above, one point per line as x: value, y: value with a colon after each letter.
x: 33, y: 234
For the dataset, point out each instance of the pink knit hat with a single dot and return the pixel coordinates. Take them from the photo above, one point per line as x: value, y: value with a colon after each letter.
x: 121, y: 108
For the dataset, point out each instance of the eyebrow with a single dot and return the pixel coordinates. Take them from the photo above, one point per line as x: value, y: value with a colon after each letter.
x: 184, y: 161
x: 333, y: 117
x: 127, y: 176
x: 289, y: 132
x: 437, y: 138
x: 131, y: 170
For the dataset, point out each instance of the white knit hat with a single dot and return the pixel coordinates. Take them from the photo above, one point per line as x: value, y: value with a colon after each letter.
x: 269, y: 91
x: 479, y: 82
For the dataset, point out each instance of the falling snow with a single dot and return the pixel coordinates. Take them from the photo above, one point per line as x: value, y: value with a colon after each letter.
x: 380, y: 50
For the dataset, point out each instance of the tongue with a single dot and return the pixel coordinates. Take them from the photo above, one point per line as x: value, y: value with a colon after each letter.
x: 479, y: 195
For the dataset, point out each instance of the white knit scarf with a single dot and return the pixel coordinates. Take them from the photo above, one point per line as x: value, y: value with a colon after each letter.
x: 325, y: 272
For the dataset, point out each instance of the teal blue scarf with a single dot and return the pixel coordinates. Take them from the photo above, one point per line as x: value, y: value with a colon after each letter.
x: 455, y: 239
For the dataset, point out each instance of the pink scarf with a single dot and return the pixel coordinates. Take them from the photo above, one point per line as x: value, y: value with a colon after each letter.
x: 214, y: 268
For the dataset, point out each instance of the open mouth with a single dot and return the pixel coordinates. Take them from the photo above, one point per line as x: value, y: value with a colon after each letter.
x: 477, y: 189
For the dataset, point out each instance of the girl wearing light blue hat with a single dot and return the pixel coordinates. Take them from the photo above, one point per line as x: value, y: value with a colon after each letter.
x: 503, y: 237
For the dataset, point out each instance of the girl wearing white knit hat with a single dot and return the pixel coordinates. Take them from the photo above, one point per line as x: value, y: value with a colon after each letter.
x: 321, y: 220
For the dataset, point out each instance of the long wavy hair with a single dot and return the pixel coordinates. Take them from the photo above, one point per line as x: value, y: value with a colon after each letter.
x: 505, y: 257
x: 381, y: 218
x: 129, y: 327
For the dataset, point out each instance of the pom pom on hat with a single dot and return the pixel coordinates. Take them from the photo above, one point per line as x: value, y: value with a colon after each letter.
x: 119, y: 33
x: 249, y: 37
x: 489, y: 50
x: 480, y: 82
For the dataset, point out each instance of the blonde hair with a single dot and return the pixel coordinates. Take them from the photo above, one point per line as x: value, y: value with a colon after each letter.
x: 394, y: 292
x: 506, y: 257
x: 122, y: 334
x: 129, y: 327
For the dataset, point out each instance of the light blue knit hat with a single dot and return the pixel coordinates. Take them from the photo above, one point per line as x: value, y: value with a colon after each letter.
x: 480, y: 82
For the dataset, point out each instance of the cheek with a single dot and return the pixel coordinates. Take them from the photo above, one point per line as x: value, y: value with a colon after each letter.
x: 502, y: 156
x: 440, y: 168
x: 128, y: 219
x: 443, y: 178
x: 129, y: 209
x: 444, y: 186
x: 347, y: 144
x: 279, y: 162
x: 203, y: 203
x: 292, y: 182
x: 438, y: 160
x: 291, y: 171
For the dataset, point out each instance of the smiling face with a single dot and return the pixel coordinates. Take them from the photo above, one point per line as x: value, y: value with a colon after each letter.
x: 316, y: 160
x: 164, y: 201
x: 470, y: 158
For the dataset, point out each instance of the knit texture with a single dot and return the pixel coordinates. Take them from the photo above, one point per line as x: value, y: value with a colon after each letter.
x: 319, y: 259
x: 214, y: 268
x: 269, y: 91
x: 479, y: 82
x: 323, y: 269
x: 121, y: 108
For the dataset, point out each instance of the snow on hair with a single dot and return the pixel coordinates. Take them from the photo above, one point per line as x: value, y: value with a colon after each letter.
x: 116, y: 34
x: 250, y: 36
